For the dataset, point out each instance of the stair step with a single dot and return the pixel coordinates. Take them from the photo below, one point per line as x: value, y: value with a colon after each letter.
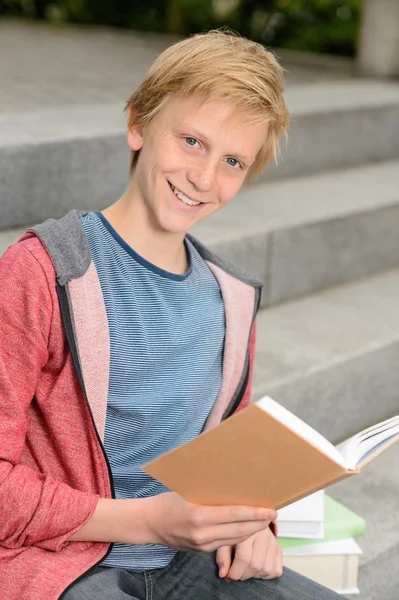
x: 54, y: 159
x: 373, y: 494
x: 379, y: 579
x: 339, y: 124
x: 332, y: 357
x: 303, y: 235
x: 306, y: 234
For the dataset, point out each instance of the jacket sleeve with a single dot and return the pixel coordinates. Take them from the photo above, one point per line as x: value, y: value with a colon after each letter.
x: 248, y: 392
x: 35, y: 508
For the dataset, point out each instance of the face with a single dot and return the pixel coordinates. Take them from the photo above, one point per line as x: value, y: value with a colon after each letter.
x: 194, y: 157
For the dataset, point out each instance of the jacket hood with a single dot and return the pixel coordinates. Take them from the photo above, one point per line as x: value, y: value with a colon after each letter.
x: 66, y: 243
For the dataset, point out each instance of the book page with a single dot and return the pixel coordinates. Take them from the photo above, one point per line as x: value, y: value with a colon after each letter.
x: 301, y: 428
x: 310, y: 508
x: 366, y: 444
x: 350, y: 447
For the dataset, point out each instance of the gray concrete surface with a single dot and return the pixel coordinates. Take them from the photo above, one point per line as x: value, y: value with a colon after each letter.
x: 300, y: 235
x: 79, y: 156
x: 332, y: 357
x: 378, y: 50
x: 333, y: 124
x: 53, y: 66
x: 317, y: 231
x: 62, y: 129
x: 374, y: 494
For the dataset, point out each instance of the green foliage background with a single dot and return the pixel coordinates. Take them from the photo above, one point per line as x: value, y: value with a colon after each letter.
x: 310, y: 25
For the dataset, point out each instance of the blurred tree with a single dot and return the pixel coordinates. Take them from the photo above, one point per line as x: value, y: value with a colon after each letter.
x: 310, y: 25
x: 318, y: 26
x: 176, y: 21
x: 118, y: 13
x: 18, y: 8
x: 255, y: 14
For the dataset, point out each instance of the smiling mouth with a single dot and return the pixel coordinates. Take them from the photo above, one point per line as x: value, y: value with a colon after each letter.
x: 183, y: 197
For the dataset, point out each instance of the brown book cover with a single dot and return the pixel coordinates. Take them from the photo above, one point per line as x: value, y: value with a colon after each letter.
x: 252, y: 458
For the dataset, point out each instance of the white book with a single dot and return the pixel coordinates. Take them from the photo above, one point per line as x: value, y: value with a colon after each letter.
x: 334, y: 564
x: 303, y: 519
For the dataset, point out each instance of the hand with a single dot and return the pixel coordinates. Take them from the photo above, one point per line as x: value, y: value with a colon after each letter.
x: 259, y: 556
x: 176, y: 523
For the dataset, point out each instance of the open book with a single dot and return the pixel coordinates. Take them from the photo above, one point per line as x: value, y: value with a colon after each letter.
x: 265, y: 456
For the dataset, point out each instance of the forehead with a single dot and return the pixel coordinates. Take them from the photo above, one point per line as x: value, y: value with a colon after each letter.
x: 212, y: 118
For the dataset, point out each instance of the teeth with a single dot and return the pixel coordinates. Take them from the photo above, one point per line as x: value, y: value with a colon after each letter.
x: 184, y: 198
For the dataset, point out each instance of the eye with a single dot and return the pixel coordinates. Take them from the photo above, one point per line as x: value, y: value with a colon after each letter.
x: 191, y: 141
x: 233, y: 162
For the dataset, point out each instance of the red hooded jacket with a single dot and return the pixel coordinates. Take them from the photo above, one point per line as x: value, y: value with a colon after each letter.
x: 54, y: 366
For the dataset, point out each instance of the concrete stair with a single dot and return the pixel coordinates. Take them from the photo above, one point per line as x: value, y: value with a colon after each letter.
x: 302, y: 235
x: 321, y: 231
x: 331, y: 357
x: 77, y: 156
x: 299, y: 235
x: 374, y: 495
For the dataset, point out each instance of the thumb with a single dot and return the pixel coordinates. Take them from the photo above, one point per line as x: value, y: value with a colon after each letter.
x: 223, y: 559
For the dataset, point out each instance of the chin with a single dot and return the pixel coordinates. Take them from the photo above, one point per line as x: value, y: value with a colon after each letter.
x: 176, y: 229
x: 175, y: 225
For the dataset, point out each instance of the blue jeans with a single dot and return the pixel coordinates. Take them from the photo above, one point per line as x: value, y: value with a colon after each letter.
x: 191, y: 576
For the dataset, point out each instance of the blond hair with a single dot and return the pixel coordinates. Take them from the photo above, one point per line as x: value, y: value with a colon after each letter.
x: 218, y: 64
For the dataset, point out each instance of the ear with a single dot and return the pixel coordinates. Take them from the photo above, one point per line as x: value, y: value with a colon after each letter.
x: 135, y: 132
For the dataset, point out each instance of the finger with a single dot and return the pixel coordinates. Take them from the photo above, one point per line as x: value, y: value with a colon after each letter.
x: 275, y: 558
x: 231, y: 534
x: 236, y: 514
x: 259, y: 559
x: 278, y: 564
x: 271, y: 569
x: 242, y: 559
x: 266, y: 558
x: 223, y: 559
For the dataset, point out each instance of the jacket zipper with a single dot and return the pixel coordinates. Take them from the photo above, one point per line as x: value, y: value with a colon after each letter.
x: 67, y: 321
x: 239, y: 393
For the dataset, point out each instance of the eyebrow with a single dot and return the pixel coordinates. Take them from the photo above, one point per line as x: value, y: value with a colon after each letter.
x: 202, y: 137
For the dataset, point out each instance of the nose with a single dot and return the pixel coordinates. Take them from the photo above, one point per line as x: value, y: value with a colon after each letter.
x: 202, y: 176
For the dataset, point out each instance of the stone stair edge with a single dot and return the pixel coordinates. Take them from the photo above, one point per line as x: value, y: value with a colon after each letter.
x: 336, y: 350
x: 30, y: 148
x: 364, y: 309
x: 304, y: 200
x: 290, y: 243
x: 97, y: 120
x: 340, y: 96
x: 311, y: 233
x: 65, y: 123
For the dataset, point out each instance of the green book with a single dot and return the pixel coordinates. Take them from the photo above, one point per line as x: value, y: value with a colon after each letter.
x: 339, y: 522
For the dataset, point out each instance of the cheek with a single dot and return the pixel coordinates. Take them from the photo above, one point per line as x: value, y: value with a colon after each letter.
x: 168, y: 158
x: 229, y: 186
x: 155, y: 152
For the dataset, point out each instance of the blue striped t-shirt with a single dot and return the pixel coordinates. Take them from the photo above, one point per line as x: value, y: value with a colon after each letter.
x: 167, y: 338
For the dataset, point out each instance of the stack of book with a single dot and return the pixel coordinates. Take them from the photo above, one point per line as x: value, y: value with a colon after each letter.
x: 316, y: 535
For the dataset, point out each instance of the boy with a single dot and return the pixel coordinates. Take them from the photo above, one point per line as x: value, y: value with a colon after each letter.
x: 123, y: 337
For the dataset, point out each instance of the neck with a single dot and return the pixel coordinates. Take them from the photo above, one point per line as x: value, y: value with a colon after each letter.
x: 133, y: 223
